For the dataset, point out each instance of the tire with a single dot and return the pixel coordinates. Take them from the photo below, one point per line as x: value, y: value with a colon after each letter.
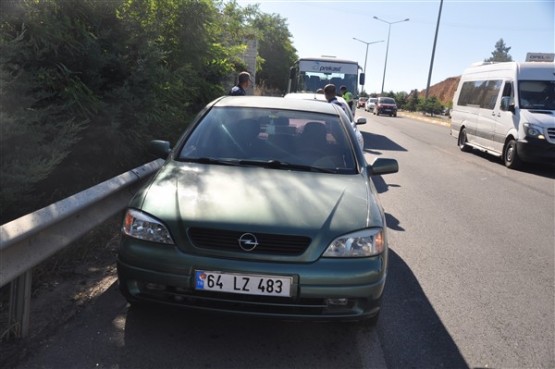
x: 510, y: 155
x: 463, y: 142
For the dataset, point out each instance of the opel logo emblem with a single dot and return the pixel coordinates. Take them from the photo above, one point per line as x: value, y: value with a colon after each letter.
x: 248, y: 242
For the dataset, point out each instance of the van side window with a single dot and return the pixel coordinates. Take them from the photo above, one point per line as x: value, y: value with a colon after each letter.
x: 482, y: 94
x: 508, y: 89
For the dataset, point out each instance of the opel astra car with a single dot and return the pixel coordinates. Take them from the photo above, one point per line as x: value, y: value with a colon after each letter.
x: 264, y: 207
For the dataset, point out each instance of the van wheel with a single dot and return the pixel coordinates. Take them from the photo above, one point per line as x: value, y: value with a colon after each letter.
x: 510, y: 155
x: 463, y: 142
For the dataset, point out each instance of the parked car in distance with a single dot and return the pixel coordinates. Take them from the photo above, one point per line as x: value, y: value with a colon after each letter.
x: 350, y: 113
x: 385, y: 105
x: 361, y: 102
x: 265, y: 207
x: 370, y: 104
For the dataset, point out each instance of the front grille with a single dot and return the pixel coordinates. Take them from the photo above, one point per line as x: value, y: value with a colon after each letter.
x: 275, y: 244
x: 551, y: 135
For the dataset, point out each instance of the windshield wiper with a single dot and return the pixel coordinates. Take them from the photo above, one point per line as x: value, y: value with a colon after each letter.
x: 277, y: 164
x: 207, y: 160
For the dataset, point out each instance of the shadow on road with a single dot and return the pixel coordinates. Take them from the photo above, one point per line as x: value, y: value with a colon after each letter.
x: 381, y: 185
x: 160, y: 337
x: 411, y: 333
x: 546, y: 170
x: 393, y: 223
x: 373, y: 143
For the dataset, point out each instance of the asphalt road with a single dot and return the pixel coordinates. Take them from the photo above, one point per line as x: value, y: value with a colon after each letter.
x: 470, y: 284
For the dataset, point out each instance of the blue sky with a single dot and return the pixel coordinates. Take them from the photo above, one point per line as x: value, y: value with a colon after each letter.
x: 468, y: 32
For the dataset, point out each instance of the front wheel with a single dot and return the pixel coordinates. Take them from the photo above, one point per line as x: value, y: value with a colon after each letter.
x: 463, y: 141
x: 510, y: 155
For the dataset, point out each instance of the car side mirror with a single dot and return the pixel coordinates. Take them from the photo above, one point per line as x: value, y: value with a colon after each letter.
x: 160, y: 148
x: 383, y: 166
x: 507, y: 104
x: 360, y: 120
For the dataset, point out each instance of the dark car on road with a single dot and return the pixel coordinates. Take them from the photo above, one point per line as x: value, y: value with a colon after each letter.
x: 264, y: 207
x: 385, y: 105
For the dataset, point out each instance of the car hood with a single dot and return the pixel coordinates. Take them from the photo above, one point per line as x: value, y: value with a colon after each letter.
x: 255, y: 199
x: 540, y: 117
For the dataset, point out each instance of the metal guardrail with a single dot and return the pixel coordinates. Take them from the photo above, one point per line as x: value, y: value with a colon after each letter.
x: 31, y: 239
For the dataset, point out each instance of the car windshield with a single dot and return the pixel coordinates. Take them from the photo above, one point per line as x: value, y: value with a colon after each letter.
x: 278, y: 139
x: 538, y: 95
x: 387, y: 100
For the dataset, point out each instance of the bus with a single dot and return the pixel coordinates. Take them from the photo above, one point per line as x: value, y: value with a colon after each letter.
x: 311, y: 74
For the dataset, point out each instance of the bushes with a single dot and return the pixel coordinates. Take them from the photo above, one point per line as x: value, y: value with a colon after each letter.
x: 86, y: 84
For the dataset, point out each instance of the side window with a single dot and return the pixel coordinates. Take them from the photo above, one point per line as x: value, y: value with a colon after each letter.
x: 480, y: 93
x: 508, y: 89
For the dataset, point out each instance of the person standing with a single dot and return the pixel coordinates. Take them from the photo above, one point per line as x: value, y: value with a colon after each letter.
x: 331, y: 96
x: 243, y: 82
x: 347, y: 95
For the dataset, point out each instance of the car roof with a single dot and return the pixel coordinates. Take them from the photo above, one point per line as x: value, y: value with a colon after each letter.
x: 316, y: 96
x: 271, y: 102
x: 311, y: 96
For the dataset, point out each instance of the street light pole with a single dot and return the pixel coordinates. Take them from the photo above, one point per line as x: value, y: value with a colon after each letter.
x: 366, y: 56
x: 433, y: 51
x: 387, y: 46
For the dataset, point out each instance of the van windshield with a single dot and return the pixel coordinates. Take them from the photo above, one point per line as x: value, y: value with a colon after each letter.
x: 538, y: 95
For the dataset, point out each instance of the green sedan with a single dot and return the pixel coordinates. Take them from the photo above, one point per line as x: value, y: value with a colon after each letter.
x: 264, y: 207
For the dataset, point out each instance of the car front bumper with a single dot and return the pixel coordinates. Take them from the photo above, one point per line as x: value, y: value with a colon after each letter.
x: 534, y: 150
x: 328, y: 289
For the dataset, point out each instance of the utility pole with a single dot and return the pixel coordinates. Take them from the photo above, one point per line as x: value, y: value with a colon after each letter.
x: 433, y: 50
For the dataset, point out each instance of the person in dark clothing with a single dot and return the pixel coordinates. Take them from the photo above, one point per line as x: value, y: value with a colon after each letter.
x: 331, y: 96
x: 240, y: 88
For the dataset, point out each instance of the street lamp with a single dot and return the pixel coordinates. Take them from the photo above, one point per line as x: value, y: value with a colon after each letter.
x: 366, y: 57
x: 387, y: 46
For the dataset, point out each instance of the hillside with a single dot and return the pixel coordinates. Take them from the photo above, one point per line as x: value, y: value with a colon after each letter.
x: 444, y: 90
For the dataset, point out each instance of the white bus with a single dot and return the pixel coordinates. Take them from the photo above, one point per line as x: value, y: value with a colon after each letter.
x: 311, y: 74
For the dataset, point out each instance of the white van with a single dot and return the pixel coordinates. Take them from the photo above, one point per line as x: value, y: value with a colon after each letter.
x: 508, y: 110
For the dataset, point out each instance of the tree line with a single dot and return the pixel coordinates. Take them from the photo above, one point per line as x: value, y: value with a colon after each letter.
x: 85, y: 84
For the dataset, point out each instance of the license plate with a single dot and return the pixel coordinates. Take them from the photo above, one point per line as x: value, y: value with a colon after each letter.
x: 247, y: 284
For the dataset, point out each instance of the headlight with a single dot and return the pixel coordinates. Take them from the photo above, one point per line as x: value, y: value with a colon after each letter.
x: 360, y: 244
x: 533, y: 131
x: 144, y: 227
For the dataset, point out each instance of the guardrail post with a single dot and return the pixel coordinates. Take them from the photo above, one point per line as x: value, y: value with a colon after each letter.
x: 20, y: 305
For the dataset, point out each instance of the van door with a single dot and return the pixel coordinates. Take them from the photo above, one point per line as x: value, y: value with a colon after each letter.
x: 490, y: 91
x: 504, y: 121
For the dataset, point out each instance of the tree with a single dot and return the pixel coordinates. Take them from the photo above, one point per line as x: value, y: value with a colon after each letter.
x: 276, y: 51
x: 87, y: 83
x: 412, y: 101
x: 501, y: 53
x: 430, y: 105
